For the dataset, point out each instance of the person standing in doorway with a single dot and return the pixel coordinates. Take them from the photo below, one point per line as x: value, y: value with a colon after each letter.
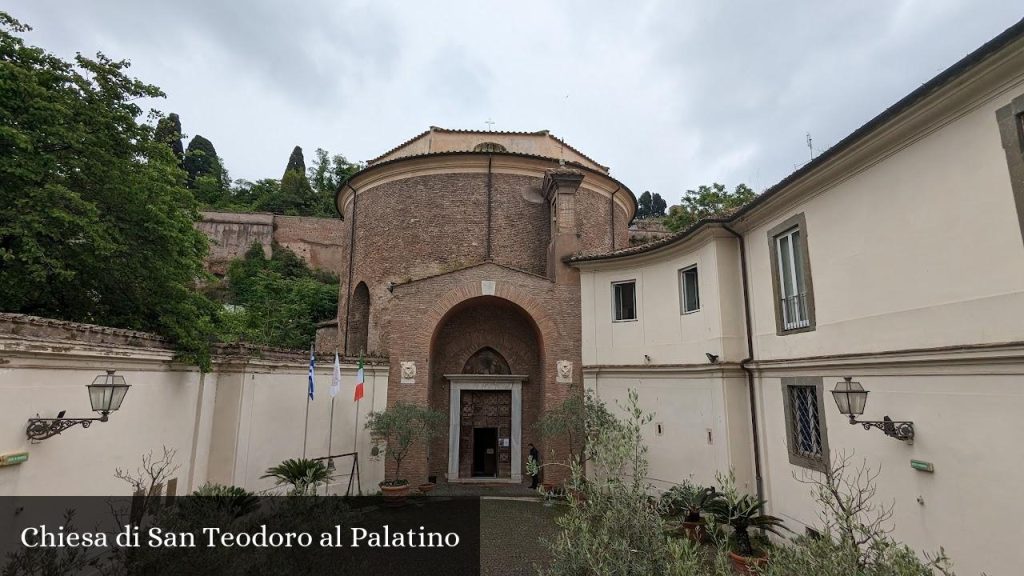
x: 534, y: 457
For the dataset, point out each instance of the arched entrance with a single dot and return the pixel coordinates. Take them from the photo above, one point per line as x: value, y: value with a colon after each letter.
x: 486, y: 374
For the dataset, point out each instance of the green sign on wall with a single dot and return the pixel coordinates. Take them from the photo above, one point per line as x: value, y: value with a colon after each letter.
x: 13, y: 458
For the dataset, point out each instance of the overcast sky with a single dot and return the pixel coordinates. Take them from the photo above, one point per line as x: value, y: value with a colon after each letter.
x: 670, y: 94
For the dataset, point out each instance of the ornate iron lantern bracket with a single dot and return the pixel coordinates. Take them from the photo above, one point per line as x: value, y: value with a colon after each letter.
x: 106, y: 393
x: 900, y: 430
x: 43, y: 428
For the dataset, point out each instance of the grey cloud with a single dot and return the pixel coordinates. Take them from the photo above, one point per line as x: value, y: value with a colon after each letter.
x: 669, y: 94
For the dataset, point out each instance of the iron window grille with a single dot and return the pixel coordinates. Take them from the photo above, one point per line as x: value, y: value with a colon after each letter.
x: 806, y: 434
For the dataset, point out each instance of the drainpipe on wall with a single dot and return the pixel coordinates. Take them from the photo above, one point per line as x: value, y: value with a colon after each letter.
x: 611, y: 204
x: 750, y: 357
x: 351, y: 255
x: 489, y: 209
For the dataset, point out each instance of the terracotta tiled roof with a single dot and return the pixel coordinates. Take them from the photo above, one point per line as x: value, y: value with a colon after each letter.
x: 506, y: 132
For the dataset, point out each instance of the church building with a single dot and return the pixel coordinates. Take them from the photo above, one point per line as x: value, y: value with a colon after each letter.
x: 455, y: 272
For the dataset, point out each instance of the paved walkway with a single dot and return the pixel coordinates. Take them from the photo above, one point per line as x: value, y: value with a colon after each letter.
x: 512, y: 535
x: 485, y: 490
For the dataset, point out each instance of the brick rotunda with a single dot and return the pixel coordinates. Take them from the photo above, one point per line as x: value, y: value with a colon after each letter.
x: 454, y: 271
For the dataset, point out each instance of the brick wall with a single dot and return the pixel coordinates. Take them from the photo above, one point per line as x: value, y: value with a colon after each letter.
x: 428, y: 235
x: 318, y: 241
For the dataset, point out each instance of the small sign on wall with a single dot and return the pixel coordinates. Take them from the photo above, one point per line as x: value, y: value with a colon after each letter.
x: 12, y: 458
x: 503, y: 442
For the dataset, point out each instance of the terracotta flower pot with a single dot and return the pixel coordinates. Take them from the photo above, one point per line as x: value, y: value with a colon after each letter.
x: 426, y: 487
x: 394, y: 495
x: 695, y: 531
x: 746, y: 564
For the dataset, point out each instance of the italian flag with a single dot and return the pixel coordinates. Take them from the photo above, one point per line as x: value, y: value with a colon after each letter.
x: 360, y: 378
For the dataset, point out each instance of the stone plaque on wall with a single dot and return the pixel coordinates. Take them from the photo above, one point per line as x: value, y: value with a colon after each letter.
x: 408, y: 372
x: 563, y: 374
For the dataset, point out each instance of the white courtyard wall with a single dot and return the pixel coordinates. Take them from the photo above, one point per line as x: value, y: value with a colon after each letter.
x: 225, y: 426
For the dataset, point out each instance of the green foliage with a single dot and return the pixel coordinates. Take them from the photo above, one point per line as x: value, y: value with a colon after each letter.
x: 648, y: 206
x: 95, y: 224
x: 303, y: 475
x: 688, y: 500
x: 168, y: 131
x: 855, y: 531
x: 706, y: 202
x: 276, y: 301
x: 201, y: 160
x: 658, y: 206
x: 826, y: 557
x: 326, y: 175
x: 218, y: 499
x: 43, y: 561
x: 741, y: 512
x: 574, y: 419
x: 614, y: 528
x: 299, y: 192
x: 395, y: 430
x: 643, y: 205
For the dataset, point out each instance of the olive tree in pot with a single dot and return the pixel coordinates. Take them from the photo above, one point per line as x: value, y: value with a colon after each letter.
x: 394, y: 431
x: 578, y: 417
x: 742, y: 512
x: 687, y: 501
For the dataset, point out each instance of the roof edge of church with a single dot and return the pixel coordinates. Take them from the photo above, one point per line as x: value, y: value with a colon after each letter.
x: 544, y: 132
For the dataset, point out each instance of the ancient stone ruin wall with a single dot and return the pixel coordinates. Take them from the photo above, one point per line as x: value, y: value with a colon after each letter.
x: 318, y: 241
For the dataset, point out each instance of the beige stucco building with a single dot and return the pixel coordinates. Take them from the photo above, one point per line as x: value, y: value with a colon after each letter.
x: 894, y: 258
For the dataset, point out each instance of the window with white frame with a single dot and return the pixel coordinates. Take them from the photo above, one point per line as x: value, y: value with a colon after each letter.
x: 805, y: 422
x: 794, y: 300
x: 624, y: 300
x: 689, y: 290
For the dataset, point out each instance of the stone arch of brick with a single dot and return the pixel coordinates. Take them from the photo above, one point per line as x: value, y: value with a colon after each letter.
x: 463, y: 294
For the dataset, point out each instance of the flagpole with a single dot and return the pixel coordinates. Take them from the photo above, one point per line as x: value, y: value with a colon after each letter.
x: 305, y: 428
x: 355, y: 436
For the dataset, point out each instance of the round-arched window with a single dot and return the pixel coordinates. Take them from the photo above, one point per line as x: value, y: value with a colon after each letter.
x: 489, y: 147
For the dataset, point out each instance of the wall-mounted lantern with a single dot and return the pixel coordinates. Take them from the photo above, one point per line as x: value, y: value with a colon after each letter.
x: 852, y: 398
x: 106, y: 393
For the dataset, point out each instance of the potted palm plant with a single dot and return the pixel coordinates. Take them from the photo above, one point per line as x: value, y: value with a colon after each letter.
x: 687, y: 501
x: 304, y: 475
x: 393, y: 432
x: 741, y: 513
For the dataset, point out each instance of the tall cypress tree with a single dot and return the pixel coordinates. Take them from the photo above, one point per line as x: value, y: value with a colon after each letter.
x: 296, y: 193
x: 201, y: 160
x: 168, y: 131
x: 296, y: 161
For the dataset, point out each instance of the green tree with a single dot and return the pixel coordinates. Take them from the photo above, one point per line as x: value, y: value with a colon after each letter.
x: 326, y: 175
x: 706, y: 202
x: 168, y: 131
x: 643, y: 205
x: 276, y: 301
x: 395, y: 430
x: 658, y: 206
x: 95, y: 223
x: 296, y: 193
x: 206, y: 174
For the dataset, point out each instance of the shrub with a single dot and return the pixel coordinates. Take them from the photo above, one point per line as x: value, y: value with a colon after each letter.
x: 613, y: 526
x: 395, y: 430
x: 304, y: 475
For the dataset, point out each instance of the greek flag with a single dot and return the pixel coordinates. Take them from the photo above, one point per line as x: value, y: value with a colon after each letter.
x: 312, y: 366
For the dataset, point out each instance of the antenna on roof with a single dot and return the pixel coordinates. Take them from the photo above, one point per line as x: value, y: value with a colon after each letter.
x: 810, y: 145
x: 490, y: 124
